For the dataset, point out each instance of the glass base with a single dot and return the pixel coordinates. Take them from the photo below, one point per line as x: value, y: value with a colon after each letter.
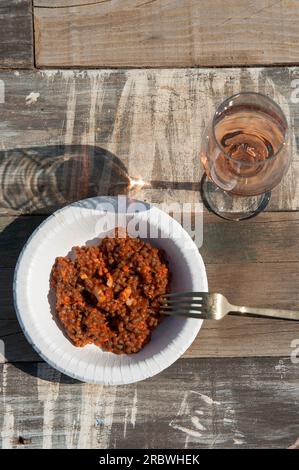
x: 229, y: 206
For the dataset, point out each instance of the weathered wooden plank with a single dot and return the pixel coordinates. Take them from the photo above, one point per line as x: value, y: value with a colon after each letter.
x: 254, y: 263
x: 221, y: 403
x: 266, y: 284
x: 269, y: 238
x: 16, y: 40
x: 61, y: 128
x: 232, y: 337
x: 166, y: 33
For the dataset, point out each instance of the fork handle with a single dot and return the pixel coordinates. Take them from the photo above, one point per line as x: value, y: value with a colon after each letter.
x: 264, y: 312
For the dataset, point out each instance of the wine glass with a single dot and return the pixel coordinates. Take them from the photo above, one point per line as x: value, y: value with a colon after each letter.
x: 244, y: 153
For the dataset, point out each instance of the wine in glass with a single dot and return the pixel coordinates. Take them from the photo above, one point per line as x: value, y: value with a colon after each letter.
x: 244, y: 153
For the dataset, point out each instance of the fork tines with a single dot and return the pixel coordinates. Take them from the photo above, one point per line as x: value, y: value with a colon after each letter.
x: 182, y: 303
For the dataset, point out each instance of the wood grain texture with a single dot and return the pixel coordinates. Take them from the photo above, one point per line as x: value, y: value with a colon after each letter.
x: 64, y: 128
x: 270, y: 238
x: 16, y: 39
x: 232, y: 403
x: 232, y: 337
x: 255, y: 265
x: 166, y: 33
x: 66, y: 135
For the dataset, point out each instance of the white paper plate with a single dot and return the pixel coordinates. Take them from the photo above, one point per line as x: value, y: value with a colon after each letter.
x: 78, y: 224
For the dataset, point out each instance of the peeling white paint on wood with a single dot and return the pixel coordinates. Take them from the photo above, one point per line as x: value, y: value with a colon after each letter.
x: 195, y: 420
x: 70, y: 113
x: 238, y: 441
x: 134, y: 408
x: 48, y: 391
x: 71, y: 422
x: 188, y: 431
x: 8, y: 416
x: 96, y: 87
x: 7, y: 430
x: 95, y: 418
x: 152, y: 120
x: 114, y: 144
x: 281, y: 368
x: 32, y: 98
x: 126, y: 421
x: 295, y: 445
x: 207, y: 399
x: 107, y: 415
x: 75, y: 415
x: 92, y: 397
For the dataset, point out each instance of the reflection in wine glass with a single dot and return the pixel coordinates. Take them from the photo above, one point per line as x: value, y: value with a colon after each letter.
x: 244, y: 153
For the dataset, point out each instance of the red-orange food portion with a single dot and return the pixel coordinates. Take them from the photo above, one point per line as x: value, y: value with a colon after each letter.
x: 109, y: 295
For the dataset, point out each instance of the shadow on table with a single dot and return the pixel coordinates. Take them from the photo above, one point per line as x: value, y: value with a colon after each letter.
x: 37, y: 181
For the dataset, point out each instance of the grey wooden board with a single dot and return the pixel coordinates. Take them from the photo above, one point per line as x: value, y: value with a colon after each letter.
x: 269, y: 238
x: 257, y: 264
x: 196, y: 403
x: 16, y: 39
x: 58, y: 130
x: 229, y: 338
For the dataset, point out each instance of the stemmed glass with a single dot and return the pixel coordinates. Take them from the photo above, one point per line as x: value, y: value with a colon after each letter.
x: 244, y: 153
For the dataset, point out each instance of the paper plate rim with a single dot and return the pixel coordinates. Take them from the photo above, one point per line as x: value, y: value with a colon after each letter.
x: 21, y: 270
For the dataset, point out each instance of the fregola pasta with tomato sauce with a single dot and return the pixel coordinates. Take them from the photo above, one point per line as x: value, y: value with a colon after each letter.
x: 109, y: 295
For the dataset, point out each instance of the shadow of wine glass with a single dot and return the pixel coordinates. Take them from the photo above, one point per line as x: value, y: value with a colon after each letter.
x: 43, y: 179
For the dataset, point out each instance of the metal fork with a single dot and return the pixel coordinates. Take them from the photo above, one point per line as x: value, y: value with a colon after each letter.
x: 206, y: 305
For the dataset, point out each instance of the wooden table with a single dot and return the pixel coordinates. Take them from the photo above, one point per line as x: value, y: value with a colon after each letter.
x: 67, y: 134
